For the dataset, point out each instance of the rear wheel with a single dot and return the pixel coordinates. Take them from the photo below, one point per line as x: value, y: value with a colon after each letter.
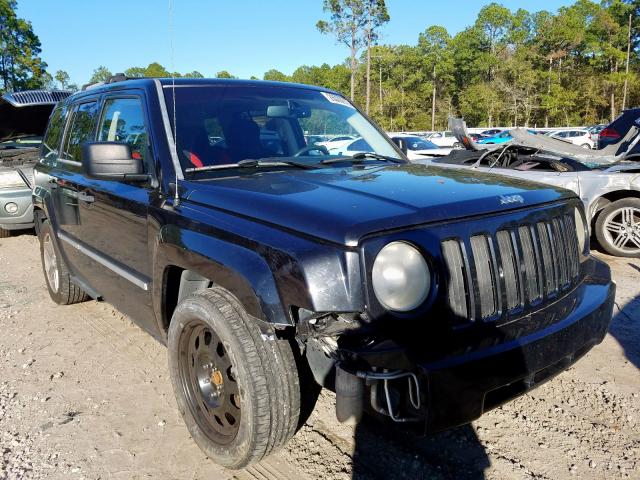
x: 61, y: 288
x: 618, y: 228
x: 237, y: 390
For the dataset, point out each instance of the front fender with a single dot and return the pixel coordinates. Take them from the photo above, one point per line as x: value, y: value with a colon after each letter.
x: 238, y: 269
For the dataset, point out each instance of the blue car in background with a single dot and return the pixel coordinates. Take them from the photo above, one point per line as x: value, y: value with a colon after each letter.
x: 501, y: 137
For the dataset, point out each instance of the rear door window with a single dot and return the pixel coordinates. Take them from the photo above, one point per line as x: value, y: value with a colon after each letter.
x: 81, y: 130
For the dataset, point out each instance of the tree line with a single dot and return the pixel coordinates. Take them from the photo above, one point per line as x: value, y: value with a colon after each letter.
x: 575, y: 66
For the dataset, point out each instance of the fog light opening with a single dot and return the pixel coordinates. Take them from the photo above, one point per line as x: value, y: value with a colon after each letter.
x: 11, y: 208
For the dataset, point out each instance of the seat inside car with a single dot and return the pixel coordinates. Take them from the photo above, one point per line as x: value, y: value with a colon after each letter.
x: 243, y: 138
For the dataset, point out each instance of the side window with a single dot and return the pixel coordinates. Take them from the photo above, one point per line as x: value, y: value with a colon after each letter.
x: 81, y: 130
x: 53, y: 135
x: 123, y: 121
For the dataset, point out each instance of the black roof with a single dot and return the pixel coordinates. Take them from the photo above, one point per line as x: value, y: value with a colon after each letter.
x: 118, y: 82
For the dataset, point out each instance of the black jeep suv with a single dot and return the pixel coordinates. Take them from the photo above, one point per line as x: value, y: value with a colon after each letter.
x: 421, y: 295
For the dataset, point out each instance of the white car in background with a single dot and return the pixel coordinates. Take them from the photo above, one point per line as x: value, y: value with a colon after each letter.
x: 419, y: 148
x: 444, y: 139
x: 337, y: 141
x: 347, y: 147
x: 581, y: 137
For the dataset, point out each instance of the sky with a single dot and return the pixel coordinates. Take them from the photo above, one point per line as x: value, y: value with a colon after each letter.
x: 244, y: 37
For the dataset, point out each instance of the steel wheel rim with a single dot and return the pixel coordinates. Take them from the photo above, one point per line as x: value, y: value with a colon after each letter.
x: 622, y: 229
x: 50, y: 263
x: 208, y: 382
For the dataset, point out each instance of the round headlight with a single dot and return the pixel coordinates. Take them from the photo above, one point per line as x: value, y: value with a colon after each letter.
x: 581, y: 231
x: 11, y: 208
x: 401, y: 277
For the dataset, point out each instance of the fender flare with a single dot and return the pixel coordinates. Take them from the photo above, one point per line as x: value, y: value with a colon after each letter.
x: 241, y: 271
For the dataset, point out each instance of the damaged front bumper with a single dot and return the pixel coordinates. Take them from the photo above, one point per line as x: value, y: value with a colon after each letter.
x: 404, y: 384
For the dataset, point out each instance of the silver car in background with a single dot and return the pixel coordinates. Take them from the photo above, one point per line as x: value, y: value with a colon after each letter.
x: 607, y: 181
x: 23, y: 119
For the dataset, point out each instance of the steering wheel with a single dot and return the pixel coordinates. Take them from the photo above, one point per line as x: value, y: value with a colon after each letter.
x: 311, y: 148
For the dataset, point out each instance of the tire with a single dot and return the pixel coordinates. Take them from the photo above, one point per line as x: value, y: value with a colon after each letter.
x: 5, y: 233
x: 220, y: 364
x: 618, y: 228
x: 61, y: 288
x: 586, y: 146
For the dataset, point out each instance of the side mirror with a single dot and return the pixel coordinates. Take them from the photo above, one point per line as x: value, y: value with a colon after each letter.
x: 111, y: 161
x: 400, y: 142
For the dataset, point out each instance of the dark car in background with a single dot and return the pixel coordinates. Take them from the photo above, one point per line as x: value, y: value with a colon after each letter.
x: 617, y: 129
x: 23, y: 119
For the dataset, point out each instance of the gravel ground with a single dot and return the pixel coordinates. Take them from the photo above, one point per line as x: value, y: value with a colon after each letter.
x: 84, y: 394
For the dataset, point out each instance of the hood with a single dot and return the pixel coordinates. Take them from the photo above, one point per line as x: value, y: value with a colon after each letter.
x: 342, y: 205
x: 27, y: 113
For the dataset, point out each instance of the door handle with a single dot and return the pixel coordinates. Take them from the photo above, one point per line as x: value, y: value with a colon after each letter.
x: 85, y: 197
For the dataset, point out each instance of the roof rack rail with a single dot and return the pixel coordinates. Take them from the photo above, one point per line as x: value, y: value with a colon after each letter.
x: 118, y: 77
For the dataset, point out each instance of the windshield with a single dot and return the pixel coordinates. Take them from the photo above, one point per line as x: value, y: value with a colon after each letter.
x: 221, y: 125
x: 417, y: 143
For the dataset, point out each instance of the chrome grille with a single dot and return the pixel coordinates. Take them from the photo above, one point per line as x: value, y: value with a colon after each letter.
x: 491, y: 274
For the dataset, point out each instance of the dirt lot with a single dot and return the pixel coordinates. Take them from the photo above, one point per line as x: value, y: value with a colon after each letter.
x: 84, y: 393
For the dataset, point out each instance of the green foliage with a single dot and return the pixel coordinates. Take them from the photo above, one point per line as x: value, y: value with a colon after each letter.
x: 100, y: 74
x: 224, y: 74
x: 20, y: 64
x: 194, y: 74
x: 62, y: 78
x: 276, y: 76
x: 354, y: 23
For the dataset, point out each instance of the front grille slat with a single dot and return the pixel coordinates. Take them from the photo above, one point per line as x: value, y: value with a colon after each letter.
x: 490, y: 275
x: 456, y: 288
x: 572, y: 240
x: 508, y: 259
x: 534, y: 289
x: 547, y: 259
x: 562, y: 251
x: 485, y: 281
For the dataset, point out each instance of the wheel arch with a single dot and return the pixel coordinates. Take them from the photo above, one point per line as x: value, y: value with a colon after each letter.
x: 198, y: 261
x: 603, y: 200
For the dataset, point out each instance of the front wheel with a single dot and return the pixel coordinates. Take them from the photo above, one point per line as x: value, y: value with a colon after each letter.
x: 586, y: 145
x: 4, y: 233
x: 61, y: 288
x: 618, y: 228
x: 238, y: 391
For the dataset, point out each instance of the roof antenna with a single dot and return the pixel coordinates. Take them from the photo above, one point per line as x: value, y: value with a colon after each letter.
x: 176, y: 194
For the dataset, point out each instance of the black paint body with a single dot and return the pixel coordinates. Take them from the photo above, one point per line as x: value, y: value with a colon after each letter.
x: 291, y: 241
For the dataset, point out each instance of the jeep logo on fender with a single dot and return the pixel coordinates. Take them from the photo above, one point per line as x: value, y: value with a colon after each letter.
x: 507, y: 199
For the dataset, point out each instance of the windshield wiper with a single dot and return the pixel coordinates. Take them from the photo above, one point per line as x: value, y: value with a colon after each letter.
x: 361, y: 157
x: 253, y: 163
x: 273, y: 162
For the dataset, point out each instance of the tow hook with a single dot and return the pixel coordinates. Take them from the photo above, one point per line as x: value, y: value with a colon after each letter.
x: 350, y: 389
